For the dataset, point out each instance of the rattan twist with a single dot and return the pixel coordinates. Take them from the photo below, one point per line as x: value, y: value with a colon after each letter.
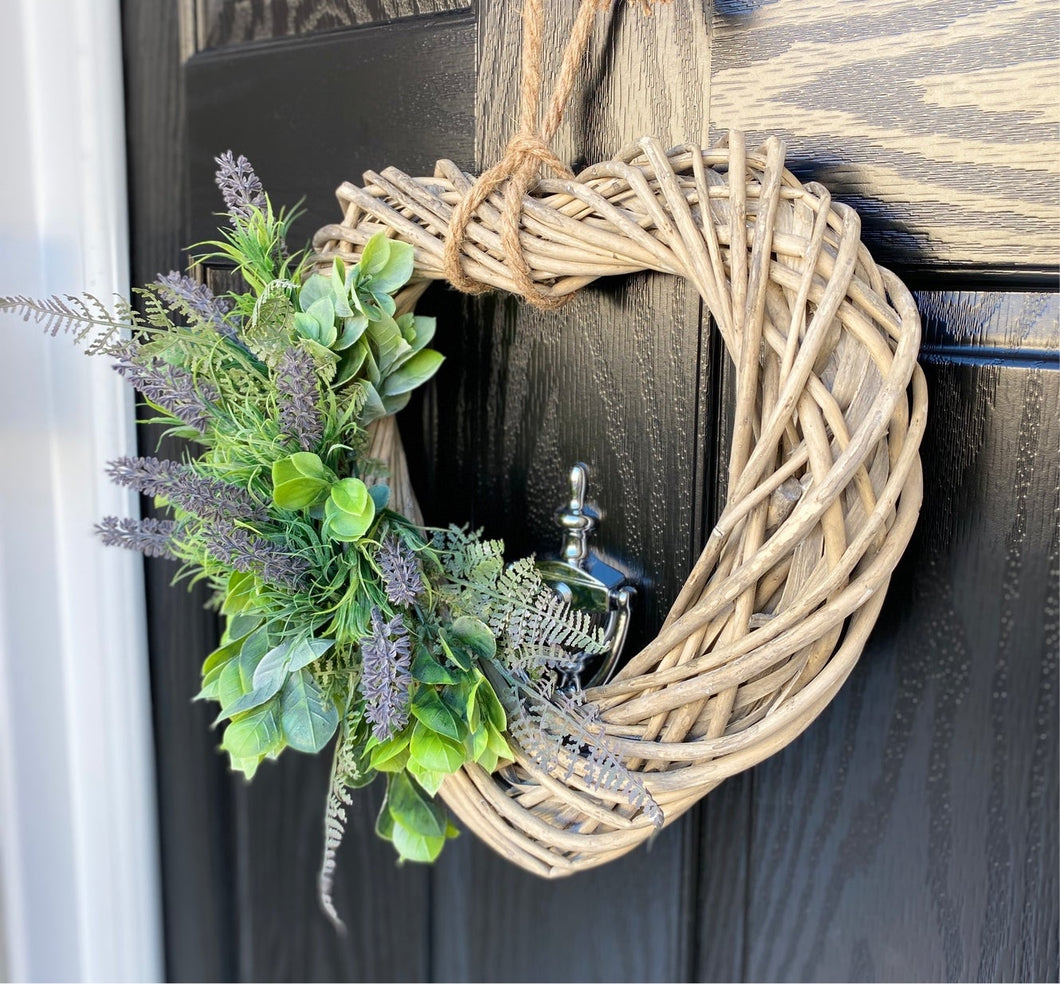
x: 824, y: 477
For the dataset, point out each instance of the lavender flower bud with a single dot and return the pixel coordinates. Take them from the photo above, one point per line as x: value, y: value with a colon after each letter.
x: 207, y: 498
x: 244, y: 550
x: 295, y: 377
x: 179, y: 289
x: 153, y: 537
x: 169, y: 387
x: 240, y: 186
x: 385, y: 675
x: 401, y: 573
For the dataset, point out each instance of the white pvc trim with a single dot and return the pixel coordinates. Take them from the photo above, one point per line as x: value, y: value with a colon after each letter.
x: 79, y: 887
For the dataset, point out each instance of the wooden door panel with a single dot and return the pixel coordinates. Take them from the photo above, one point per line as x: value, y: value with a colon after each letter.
x: 220, y: 23
x: 937, y: 121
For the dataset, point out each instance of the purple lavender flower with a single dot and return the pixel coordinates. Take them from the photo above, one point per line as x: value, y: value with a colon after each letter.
x: 295, y: 377
x: 385, y: 675
x: 239, y: 185
x: 205, y: 497
x: 153, y: 537
x: 169, y: 387
x: 178, y: 289
x: 401, y: 573
x: 247, y: 551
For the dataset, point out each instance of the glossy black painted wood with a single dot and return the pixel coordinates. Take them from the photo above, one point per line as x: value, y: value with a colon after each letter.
x: 307, y: 112
x: 911, y: 833
x: 194, y: 791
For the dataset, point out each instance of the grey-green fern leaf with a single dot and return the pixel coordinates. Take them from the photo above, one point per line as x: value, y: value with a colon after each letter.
x: 565, y: 737
x: 344, y: 771
x: 86, y: 319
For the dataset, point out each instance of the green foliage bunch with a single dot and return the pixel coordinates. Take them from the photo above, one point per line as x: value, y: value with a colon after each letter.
x: 417, y: 651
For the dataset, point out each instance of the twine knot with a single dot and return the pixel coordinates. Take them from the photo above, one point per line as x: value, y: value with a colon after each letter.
x: 524, y: 156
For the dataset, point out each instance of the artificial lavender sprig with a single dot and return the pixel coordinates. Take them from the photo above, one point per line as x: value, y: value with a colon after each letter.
x: 240, y: 186
x: 205, y: 497
x: 153, y: 537
x: 295, y: 378
x: 402, y: 578
x: 179, y: 289
x: 169, y: 387
x: 244, y: 550
x: 385, y: 675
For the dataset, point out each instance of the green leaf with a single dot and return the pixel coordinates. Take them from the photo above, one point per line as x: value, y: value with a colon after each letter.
x: 380, y: 496
x: 427, y: 669
x: 299, y: 480
x: 455, y: 650
x: 349, y: 510
x: 312, y: 290
x: 384, y: 823
x: 413, y: 809
x: 415, y: 847
x: 375, y: 255
x: 492, y: 708
x: 478, y: 742
x: 395, y: 404
x: 424, y: 328
x: 433, y: 751
x: 430, y: 781
x: 240, y: 593
x: 352, y: 329
x: 309, y: 719
x: 242, y: 625
x: 265, y: 682
x: 254, y: 734
x: 373, y: 407
x: 322, y: 326
x: 212, y: 668
x: 428, y: 708
x: 396, y: 271
x: 499, y: 744
x: 351, y: 362
x: 476, y: 636
x: 415, y: 372
x: 306, y: 650
x: 390, y: 755
x: 388, y: 345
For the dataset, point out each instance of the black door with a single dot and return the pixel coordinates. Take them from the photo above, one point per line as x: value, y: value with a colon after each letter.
x: 911, y: 833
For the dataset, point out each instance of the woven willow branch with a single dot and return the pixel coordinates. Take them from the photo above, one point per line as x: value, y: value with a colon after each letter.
x: 824, y: 474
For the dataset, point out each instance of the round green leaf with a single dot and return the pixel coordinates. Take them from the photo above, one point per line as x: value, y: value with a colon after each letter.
x: 349, y: 510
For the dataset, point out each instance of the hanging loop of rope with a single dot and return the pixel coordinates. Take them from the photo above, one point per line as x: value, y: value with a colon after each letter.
x: 525, y: 154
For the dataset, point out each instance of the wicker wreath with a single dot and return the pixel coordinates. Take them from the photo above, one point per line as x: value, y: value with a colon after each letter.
x: 824, y: 485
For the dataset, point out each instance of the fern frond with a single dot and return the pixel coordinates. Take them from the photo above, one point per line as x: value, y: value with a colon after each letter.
x: 268, y: 332
x: 564, y: 737
x: 344, y: 771
x: 78, y: 317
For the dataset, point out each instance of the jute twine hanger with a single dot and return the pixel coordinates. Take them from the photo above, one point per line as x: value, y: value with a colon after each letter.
x: 526, y: 152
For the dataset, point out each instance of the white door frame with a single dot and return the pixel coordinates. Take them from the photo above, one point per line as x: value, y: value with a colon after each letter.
x: 79, y: 886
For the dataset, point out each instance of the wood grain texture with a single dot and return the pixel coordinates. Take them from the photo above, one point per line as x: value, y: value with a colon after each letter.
x: 220, y: 23
x: 253, y: 100
x: 937, y: 121
x: 615, y: 379
x: 284, y: 935
x: 194, y: 790
x: 911, y: 833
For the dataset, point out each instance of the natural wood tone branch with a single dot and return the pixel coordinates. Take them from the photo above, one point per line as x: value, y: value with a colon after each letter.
x: 778, y: 607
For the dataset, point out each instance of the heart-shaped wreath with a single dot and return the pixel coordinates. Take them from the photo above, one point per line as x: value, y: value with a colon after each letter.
x: 824, y: 475
x: 427, y: 656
